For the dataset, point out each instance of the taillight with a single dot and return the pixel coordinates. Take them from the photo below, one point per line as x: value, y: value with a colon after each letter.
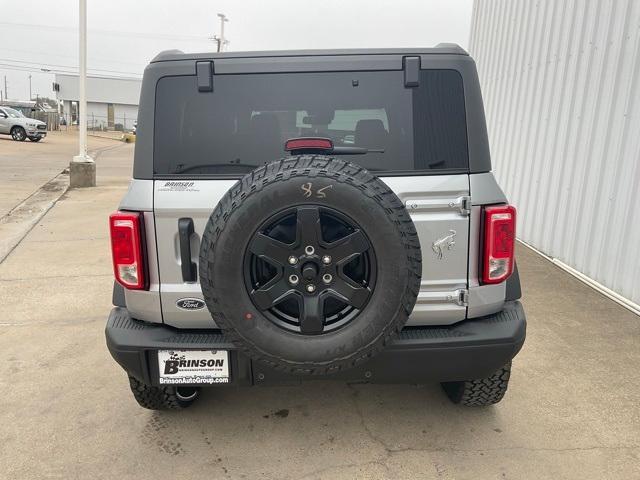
x: 126, y: 248
x: 499, y: 242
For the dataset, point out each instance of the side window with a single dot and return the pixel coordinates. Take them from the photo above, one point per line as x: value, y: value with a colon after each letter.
x: 440, y: 121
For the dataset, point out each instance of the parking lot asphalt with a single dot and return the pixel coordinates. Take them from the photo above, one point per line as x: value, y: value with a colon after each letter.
x: 571, y: 410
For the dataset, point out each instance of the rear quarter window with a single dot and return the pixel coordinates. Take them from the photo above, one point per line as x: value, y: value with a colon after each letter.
x: 246, y: 120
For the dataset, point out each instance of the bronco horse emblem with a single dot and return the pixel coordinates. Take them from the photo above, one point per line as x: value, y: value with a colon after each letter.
x: 443, y: 243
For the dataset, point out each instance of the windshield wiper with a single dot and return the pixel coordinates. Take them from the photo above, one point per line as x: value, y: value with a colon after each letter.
x: 355, y: 150
x: 181, y: 168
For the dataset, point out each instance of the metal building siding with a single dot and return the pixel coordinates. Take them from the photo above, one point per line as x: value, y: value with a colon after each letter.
x: 561, y: 85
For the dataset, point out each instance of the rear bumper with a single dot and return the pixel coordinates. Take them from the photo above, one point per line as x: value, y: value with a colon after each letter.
x: 467, y: 350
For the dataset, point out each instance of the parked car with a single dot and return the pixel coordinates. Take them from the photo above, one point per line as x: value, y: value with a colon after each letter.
x: 314, y: 215
x: 14, y: 123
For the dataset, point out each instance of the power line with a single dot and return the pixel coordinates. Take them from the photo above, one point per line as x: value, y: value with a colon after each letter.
x: 147, y: 35
x: 74, y: 57
x: 20, y: 68
x: 38, y: 64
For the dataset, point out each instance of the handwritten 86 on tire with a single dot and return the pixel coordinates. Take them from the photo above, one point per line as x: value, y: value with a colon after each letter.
x: 193, y: 367
x: 310, y: 265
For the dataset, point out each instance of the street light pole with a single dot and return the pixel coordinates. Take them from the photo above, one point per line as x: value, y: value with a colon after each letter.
x: 82, y: 169
x: 30, y: 96
x: 82, y: 122
x: 221, y: 41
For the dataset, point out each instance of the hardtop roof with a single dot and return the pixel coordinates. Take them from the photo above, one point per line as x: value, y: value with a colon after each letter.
x: 440, y: 49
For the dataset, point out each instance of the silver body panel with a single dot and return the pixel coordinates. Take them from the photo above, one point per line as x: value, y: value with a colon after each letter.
x: 434, y: 205
x: 445, y: 210
x: 171, y: 203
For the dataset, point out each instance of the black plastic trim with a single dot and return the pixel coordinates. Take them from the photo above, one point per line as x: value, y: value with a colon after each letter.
x: 411, y: 67
x: 204, y: 72
x: 467, y: 350
x: 513, y: 292
x: 189, y: 268
x: 117, y: 297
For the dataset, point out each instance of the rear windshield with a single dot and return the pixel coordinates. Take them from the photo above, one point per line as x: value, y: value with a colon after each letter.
x: 246, y: 120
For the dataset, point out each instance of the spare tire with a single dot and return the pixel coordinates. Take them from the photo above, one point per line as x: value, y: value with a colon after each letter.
x: 310, y: 264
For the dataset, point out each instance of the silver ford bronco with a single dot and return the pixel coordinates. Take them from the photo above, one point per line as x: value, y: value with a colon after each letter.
x: 303, y: 215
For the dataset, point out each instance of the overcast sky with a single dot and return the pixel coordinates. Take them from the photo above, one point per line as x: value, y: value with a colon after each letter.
x: 124, y: 35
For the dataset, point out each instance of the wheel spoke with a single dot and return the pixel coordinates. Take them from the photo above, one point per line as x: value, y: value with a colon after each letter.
x: 271, y: 294
x: 348, y: 247
x: 351, y: 293
x: 312, y: 314
x: 270, y: 249
x: 308, y: 226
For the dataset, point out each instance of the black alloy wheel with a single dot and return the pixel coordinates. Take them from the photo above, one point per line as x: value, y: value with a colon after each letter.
x: 310, y: 265
x: 310, y: 269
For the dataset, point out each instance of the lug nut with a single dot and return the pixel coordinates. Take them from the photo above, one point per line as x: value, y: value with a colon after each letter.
x: 293, y: 279
x: 326, y: 259
x: 311, y: 288
x: 309, y: 250
x: 326, y: 278
x: 293, y: 260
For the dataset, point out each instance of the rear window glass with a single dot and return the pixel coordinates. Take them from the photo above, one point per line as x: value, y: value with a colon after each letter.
x: 246, y: 120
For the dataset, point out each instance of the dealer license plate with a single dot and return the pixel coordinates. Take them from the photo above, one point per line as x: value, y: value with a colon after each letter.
x: 181, y: 367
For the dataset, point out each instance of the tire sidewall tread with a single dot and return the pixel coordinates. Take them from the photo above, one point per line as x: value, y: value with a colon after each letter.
x: 320, y: 168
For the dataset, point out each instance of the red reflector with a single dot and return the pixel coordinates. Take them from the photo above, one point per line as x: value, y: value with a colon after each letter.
x: 126, y: 249
x: 309, y: 143
x: 499, y: 243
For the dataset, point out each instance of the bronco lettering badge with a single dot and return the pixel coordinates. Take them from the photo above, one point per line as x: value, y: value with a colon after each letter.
x: 190, y: 304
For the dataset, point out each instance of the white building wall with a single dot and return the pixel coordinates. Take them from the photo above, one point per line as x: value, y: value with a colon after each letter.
x: 561, y: 85
x: 101, y: 89
x: 96, y: 115
x: 126, y: 114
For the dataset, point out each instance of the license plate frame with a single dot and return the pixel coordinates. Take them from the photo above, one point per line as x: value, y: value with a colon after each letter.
x: 193, y: 367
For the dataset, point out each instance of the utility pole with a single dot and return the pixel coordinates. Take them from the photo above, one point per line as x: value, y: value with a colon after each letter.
x: 82, y: 169
x: 30, y: 96
x: 219, y: 39
x: 6, y: 95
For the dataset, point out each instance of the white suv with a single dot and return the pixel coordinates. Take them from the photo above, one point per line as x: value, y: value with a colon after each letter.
x: 14, y: 123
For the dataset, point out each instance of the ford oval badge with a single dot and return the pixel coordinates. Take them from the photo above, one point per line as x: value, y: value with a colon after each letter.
x: 190, y: 303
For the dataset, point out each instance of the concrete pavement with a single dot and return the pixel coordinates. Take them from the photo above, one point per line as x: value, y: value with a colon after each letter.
x: 25, y: 166
x: 571, y: 410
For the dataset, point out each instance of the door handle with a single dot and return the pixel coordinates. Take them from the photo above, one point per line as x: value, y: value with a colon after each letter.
x: 189, y: 269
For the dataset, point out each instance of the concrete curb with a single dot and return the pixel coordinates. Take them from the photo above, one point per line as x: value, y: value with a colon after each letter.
x: 16, y: 224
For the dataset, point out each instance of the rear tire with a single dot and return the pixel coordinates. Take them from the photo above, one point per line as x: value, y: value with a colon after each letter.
x: 18, y: 134
x: 480, y: 392
x: 162, y: 398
